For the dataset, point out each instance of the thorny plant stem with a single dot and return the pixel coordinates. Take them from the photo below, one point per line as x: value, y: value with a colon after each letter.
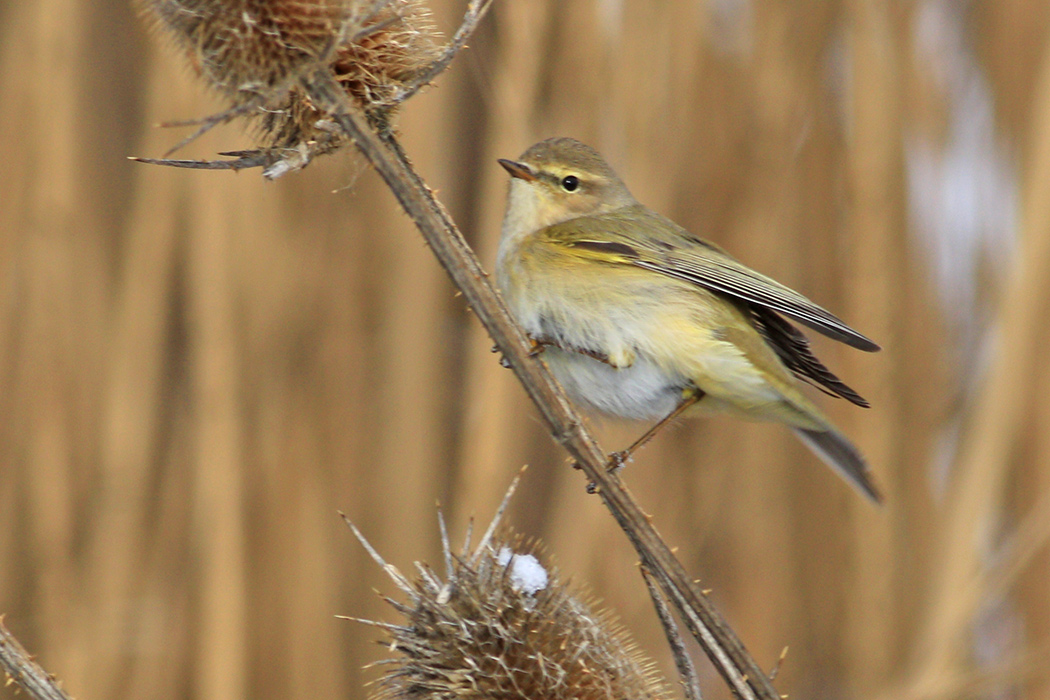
x: 682, y: 659
x: 718, y: 641
x: 21, y: 669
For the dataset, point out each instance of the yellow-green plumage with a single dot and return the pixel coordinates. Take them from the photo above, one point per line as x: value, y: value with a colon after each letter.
x: 637, y: 311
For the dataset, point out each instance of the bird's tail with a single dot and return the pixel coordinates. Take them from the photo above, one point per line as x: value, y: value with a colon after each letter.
x: 840, y: 454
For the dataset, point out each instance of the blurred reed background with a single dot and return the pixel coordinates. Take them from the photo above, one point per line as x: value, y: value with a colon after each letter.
x: 197, y: 369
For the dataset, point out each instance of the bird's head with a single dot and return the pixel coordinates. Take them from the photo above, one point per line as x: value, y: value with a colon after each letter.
x: 561, y: 179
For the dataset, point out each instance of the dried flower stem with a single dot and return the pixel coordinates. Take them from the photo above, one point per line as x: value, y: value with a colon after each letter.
x: 21, y: 669
x: 686, y: 668
x: 383, y: 151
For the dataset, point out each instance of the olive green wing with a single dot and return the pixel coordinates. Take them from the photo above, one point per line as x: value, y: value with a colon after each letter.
x: 671, y: 250
x: 720, y: 273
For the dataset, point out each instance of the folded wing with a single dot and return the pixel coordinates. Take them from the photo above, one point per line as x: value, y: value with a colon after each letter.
x: 677, y: 253
x: 721, y: 273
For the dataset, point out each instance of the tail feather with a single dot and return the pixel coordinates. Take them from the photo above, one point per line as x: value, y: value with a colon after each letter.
x: 832, y: 447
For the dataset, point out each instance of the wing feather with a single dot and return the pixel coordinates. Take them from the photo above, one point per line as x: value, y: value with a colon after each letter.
x: 792, y: 348
x: 729, y: 277
x: 676, y: 253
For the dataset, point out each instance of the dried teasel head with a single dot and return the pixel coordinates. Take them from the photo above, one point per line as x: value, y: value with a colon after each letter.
x: 502, y: 624
x: 256, y: 53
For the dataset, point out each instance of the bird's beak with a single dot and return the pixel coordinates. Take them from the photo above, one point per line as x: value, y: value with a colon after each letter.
x: 518, y: 170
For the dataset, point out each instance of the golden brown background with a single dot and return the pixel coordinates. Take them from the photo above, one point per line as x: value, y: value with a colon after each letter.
x: 198, y: 369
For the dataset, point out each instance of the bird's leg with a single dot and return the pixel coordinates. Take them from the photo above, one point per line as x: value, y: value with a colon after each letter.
x: 690, y: 396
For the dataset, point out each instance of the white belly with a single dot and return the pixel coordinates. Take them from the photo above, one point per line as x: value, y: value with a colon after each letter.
x: 641, y: 391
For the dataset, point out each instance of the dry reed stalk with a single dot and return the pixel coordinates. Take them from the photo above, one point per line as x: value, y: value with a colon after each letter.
x: 166, y: 634
x: 983, y: 465
x: 412, y: 440
x: 131, y: 424
x: 311, y: 424
x: 218, y: 520
x: 877, y: 244
x: 44, y: 297
x: 1014, y: 667
x: 1034, y: 485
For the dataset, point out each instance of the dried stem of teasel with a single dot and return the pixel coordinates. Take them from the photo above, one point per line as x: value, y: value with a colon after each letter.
x: 21, y: 669
x: 718, y: 641
x: 686, y: 668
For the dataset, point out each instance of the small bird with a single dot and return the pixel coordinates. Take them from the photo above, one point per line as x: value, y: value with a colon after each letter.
x: 637, y: 317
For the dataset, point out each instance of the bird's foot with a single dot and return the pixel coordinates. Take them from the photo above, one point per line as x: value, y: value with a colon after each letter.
x: 617, y: 461
x: 538, y: 346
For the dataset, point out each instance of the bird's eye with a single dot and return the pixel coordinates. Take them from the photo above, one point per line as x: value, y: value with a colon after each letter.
x: 570, y: 183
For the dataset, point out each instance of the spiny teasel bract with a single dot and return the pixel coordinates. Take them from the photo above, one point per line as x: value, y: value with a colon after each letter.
x: 502, y: 624
x: 255, y: 52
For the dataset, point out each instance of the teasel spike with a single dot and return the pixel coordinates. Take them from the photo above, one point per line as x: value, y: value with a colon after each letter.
x: 498, y: 518
x: 446, y: 548
x: 374, y: 623
x: 427, y: 578
x: 391, y: 571
x: 467, y: 538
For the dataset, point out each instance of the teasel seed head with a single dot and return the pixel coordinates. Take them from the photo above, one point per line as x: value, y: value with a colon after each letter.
x: 254, y: 53
x: 503, y: 624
